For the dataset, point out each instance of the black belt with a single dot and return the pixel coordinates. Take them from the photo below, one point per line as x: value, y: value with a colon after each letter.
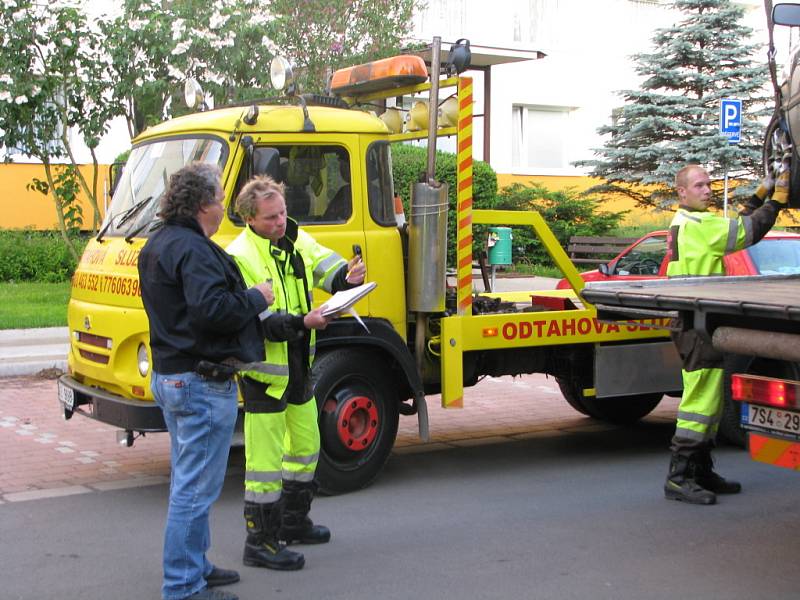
x: 215, y: 371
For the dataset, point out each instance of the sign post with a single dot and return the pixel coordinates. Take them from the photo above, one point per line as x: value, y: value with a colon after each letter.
x: 730, y: 126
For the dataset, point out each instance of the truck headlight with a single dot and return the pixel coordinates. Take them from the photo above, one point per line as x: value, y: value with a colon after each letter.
x: 142, y: 361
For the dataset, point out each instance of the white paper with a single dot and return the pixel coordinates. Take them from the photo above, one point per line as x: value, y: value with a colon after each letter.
x: 343, y: 301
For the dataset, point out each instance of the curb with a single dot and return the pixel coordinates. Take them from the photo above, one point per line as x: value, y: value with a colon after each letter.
x: 31, y: 351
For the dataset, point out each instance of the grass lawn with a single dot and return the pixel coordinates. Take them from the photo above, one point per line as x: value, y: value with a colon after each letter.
x: 27, y: 305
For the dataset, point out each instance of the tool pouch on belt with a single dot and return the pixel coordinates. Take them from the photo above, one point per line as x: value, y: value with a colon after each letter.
x: 214, y: 371
x: 696, y: 351
x: 256, y: 397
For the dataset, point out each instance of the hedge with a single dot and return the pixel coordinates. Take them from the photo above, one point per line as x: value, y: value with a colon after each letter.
x: 36, y: 256
x: 409, y: 162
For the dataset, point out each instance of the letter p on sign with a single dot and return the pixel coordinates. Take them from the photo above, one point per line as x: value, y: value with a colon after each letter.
x: 730, y: 119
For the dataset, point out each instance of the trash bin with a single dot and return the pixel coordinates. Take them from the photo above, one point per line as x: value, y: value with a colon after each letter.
x: 500, y: 245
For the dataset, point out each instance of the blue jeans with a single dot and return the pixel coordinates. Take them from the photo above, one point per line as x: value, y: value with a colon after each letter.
x: 200, y: 416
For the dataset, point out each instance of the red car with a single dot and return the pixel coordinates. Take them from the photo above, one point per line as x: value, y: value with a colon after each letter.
x: 777, y: 254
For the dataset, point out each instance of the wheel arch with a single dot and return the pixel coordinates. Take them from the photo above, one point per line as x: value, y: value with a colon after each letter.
x: 382, y: 336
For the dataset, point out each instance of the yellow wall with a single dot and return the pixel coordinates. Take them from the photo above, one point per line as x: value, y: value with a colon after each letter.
x: 22, y: 208
x: 635, y: 216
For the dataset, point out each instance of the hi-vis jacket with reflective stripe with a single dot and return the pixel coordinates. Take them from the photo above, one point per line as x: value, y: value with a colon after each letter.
x: 699, y: 240
x: 295, y: 265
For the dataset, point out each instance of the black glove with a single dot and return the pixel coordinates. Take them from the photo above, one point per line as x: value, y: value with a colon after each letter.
x: 283, y: 327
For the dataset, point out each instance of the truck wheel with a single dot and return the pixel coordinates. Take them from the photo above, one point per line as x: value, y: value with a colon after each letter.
x: 358, y: 417
x: 572, y: 395
x: 622, y: 409
x: 625, y: 409
x: 730, y: 427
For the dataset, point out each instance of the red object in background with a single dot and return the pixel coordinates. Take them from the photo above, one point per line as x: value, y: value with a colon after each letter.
x: 647, y: 258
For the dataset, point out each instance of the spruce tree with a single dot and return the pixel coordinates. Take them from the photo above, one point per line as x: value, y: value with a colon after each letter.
x: 673, y: 119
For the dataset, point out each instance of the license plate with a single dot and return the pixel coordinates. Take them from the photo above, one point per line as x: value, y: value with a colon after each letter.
x: 66, y: 396
x: 770, y: 419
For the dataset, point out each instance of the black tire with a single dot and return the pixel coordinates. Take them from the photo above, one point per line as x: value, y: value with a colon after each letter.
x: 358, y: 418
x: 572, y: 395
x: 621, y: 410
x: 730, y: 428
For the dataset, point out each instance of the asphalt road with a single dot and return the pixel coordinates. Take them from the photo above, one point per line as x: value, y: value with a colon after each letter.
x: 560, y: 515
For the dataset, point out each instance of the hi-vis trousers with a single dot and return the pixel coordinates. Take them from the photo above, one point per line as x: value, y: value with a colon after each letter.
x: 279, y: 446
x: 700, y: 410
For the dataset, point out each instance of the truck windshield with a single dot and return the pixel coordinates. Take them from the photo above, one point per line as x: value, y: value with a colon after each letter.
x: 145, y: 177
x: 776, y: 256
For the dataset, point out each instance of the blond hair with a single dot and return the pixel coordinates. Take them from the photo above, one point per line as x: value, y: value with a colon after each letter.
x: 260, y: 187
x: 682, y: 175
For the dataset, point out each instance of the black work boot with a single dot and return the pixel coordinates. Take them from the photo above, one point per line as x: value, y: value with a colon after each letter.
x: 707, y: 478
x: 262, y: 548
x: 681, y: 483
x: 296, y: 527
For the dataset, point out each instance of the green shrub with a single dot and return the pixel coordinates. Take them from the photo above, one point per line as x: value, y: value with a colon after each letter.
x: 40, y: 256
x: 566, y: 212
x: 409, y: 162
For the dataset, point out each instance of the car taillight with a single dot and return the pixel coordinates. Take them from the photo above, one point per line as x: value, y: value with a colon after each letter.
x: 765, y: 390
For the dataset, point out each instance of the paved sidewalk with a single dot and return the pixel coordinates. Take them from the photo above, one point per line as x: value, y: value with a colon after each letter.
x: 45, y: 456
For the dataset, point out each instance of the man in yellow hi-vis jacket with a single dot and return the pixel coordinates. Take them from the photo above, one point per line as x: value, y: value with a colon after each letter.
x: 281, y: 433
x: 698, y: 241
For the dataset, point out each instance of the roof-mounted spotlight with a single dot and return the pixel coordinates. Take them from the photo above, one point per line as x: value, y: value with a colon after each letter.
x: 460, y: 56
x: 193, y: 94
x: 282, y: 76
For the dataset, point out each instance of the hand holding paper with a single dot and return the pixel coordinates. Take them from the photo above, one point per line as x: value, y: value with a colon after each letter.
x: 344, y: 301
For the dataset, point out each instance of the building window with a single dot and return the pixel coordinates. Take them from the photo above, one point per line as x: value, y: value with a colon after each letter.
x: 540, y: 136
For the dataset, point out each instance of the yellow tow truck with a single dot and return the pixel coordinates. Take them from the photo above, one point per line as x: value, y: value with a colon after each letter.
x: 428, y: 332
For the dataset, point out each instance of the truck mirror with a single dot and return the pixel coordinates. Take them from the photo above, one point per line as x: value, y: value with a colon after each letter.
x: 114, y: 172
x: 786, y: 14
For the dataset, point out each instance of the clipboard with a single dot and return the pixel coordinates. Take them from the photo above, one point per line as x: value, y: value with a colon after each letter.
x: 344, y: 301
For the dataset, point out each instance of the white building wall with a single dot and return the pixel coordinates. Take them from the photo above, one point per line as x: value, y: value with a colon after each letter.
x: 588, y: 44
x: 561, y: 100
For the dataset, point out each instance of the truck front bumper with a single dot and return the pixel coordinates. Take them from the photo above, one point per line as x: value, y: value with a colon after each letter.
x: 125, y: 413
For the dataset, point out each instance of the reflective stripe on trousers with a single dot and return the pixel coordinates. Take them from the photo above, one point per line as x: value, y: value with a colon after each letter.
x: 280, y: 446
x: 701, y: 406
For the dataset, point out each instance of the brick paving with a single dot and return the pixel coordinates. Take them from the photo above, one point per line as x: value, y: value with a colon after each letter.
x: 44, y: 455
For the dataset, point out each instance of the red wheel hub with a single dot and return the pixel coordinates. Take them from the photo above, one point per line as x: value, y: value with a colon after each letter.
x: 357, y: 423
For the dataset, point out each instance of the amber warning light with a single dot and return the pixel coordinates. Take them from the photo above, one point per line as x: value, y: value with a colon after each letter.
x: 384, y: 74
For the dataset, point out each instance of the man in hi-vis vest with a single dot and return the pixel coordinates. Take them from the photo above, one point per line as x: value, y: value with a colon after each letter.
x: 281, y: 433
x: 698, y: 241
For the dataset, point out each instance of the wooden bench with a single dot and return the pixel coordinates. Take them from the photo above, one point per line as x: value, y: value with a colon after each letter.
x: 596, y: 249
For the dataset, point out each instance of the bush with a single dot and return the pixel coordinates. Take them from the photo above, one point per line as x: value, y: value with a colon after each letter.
x: 565, y: 211
x: 408, y: 162
x: 36, y: 256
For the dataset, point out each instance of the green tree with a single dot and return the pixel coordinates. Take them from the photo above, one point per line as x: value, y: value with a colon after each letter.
x: 54, y: 89
x: 566, y: 212
x: 673, y: 119
x: 320, y: 36
x: 156, y: 45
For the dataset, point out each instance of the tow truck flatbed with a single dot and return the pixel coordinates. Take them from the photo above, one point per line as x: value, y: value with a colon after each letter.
x: 725, y: 299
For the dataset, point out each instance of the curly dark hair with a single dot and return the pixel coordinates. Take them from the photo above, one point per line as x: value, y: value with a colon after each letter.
x: 195, y: 185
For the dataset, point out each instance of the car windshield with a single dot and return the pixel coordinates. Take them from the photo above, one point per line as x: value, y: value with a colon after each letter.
x: 776, y: 256
x: 146, y: 174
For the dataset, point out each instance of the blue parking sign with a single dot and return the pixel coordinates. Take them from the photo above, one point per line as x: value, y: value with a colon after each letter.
x: 730, y: 119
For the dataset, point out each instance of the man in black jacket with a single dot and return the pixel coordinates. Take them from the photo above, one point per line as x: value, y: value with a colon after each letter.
x: 199, y: 310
